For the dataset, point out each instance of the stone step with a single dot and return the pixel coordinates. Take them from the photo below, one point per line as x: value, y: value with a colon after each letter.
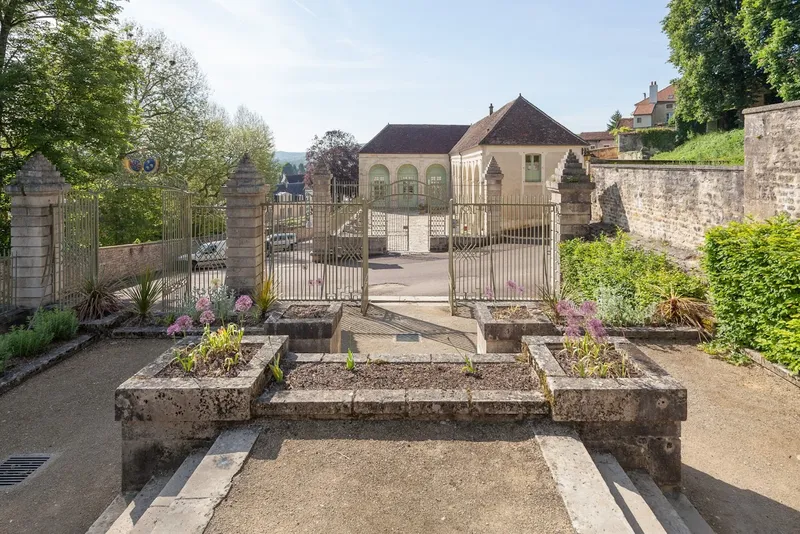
x: 636, y: 510
x: 689, y: 513
x: 669, y: 518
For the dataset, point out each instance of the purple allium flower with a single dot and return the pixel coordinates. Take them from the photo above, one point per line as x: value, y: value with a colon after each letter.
x: 565, y: 308
x: 173, y: 329
x: 181, y: 324
x: 203, y: 303
x: 596, y: 329
x: 588, y: 309
x: 488, y: 293
x: 512, y: 285
x: 207, y: 317
x: 572, y: 330
x: 521, y: 289
x: 243, y: 304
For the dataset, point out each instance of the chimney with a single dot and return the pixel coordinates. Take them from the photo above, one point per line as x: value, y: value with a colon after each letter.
x: 653, y: 93
x: 491, y: 109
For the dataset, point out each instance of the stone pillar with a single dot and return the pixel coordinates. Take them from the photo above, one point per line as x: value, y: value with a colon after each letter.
x: 493, y: 177
x: 245, y: 196
x: 35, y: 213
x: 321, y: 186
x: 571, y: 188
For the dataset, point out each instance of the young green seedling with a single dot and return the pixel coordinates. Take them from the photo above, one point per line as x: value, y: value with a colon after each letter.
x: 350, y: 364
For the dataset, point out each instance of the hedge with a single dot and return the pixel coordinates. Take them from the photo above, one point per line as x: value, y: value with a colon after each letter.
x: 753, y: 271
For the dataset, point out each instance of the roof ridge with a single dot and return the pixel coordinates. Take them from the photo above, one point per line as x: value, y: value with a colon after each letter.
x: 551, y: 118
x: 504, y: 113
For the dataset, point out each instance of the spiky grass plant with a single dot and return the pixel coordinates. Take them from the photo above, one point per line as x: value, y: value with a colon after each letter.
x: 145, y: 293
x: 350, y: 363
x: 267, y: 297
x: 677, y: 309
x: 275, y: 368
x: 97, y: 299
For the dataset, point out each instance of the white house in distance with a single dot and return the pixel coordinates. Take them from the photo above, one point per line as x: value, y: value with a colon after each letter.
x: 656, y: 109
x: 449, y: 160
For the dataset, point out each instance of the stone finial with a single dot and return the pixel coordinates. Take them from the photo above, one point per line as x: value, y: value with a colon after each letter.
x: 570, y: 169
x: 245, y: 179
x: 493, y: 170
x: 38, y: 175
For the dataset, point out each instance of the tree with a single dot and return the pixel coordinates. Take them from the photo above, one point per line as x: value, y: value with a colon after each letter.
x: 64, y: 75
x: 771, y: 32
x: 289, y: 169
x: 614, y: 122
x: 301, y: 168
x: 716, y: 73
x: 250, y: 134
x: 339, y: 151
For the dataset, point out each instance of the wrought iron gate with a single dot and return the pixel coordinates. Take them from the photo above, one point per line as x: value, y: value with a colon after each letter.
x: 176, y: 248
x: 74, y: 259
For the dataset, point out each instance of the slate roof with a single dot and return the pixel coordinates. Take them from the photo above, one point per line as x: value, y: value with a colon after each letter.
x: 517, y: 123
x: 295, y: 178
x: 645, y: 107
x: 415, y: 139
x: 596, y: 136
x: 293, y: 188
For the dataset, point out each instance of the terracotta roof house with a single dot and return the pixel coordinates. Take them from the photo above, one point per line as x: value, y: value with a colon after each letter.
x: 656, y: 108
x: 598, y: 139
x: 409, y: 161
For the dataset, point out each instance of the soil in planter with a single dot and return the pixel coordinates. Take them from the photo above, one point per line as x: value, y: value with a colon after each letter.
x: 514, y: 312
x: 305, y: 312
x: 499, y: 376
x: 215, y: 369
x: 568, y: 360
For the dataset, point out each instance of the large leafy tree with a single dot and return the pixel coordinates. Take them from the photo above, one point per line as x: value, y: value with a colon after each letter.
x: 339, y: 151
x: 716, y: 73
x: 771, y: 32
x: 64, y: 75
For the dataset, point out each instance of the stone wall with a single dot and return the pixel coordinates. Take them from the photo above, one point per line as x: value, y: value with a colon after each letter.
x: 126, y: 261
x: 672, y: 203
x: 772, y: 159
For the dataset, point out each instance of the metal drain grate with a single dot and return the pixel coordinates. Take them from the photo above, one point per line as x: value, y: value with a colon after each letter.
x: 407, y: 337
x: 17, y: 468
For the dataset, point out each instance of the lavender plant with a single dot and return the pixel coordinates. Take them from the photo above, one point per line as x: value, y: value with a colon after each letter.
x: 586, y: 340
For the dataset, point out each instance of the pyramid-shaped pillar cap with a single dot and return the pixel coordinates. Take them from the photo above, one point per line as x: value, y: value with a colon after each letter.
x: 320, y: 175
x: 493, y: 169
x: 570, y: 169
x: 38, y: 176
x: 245, y: 180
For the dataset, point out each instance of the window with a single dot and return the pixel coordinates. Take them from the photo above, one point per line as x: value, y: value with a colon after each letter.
x: 533, y: 168
x: 638, y: 120
x: 669, y: 106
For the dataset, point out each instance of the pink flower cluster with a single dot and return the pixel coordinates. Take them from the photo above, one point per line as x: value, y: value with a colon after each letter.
x: 513, y: 286
x: 207, y: 317
x: 582, y: 317
x: 203, y: 304
x: 488, y: 293
x: 181, y: 324
x: 243, y: 304
x: 317, y: 282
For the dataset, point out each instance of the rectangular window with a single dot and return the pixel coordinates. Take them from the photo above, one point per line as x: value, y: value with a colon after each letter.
x: 533, y: 168
x: 638, y: 120
x: 669, y: 106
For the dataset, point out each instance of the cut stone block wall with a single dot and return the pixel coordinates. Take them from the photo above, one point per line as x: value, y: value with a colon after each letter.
x: 122, y: 262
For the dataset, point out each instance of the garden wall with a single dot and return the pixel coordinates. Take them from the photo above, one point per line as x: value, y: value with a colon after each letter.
x: 126, y: 261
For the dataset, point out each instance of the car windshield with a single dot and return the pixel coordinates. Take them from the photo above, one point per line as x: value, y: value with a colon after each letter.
x: 208, y: 248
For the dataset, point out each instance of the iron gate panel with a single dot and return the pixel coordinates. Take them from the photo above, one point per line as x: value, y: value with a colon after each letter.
x: 75, y: 245
x: 176, y: 249
x: 209, y: 247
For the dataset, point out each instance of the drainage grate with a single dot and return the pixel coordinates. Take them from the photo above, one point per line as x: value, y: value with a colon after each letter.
x: 407, y: 337
x: 17, y: 468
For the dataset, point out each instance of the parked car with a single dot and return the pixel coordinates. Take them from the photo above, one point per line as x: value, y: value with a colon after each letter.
x: 281, y: 242
x: 211, y: 254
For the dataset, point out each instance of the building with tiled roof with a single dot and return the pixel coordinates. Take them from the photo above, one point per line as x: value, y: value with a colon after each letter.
x: 411, y: 161
x: 656, y: 108
x: 598, y: 139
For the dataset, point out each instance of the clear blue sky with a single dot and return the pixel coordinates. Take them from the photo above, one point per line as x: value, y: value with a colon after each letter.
x: 308, y: 66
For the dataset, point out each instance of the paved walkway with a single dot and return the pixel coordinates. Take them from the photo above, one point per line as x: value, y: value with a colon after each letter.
x: 740, y: 444
x: 68, y: 411
x: 367, y: 477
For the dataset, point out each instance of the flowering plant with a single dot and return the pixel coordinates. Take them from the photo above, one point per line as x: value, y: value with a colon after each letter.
x: 181, y: 324
x: 586, y: 341
x: 207, y: 317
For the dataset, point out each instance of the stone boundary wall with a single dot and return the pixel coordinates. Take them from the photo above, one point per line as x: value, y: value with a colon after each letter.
x: 671, y: 203
x: 772, y: 159
x: 126, y: 261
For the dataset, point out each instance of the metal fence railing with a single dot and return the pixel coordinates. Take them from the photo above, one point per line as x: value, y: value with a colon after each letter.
x: 209, y: 247
x: 75, y: 245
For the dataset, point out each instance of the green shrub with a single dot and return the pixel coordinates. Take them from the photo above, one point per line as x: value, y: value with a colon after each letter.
x: 615, y: 307
x: 723, y: 147
x: 753, y: 271
x: 63, y: 324
x: 633, y: 279
x: 661, y: 139
x: 23, y: 342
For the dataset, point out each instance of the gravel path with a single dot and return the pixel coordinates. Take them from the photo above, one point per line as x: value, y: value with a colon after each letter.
x: 741, y: 443
x: 368, y: 477
x: 68, y: 411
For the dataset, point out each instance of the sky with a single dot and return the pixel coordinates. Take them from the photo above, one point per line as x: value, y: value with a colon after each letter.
x: 309, y: 66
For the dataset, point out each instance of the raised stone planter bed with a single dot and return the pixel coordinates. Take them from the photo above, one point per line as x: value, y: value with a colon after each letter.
x: 152, y: 332
x: 317, y: 333
x: 38, y: 364
x: 685, y: 334
x: 414, y: 386
x: 504, y: 335
x: 636, y: 419
x: 164, y: 418
x: 106, y: 324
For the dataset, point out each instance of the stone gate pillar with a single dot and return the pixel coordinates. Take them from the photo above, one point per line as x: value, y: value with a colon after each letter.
x: 35, y: 214
x: 493, y: 176
x: 245, y: 196
x: 571, y: 188
x: 321, y: 187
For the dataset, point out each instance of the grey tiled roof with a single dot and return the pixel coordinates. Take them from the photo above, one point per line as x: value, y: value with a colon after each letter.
x: 415, y: 139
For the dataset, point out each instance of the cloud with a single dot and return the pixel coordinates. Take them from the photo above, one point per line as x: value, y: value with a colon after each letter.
x: 304, y: 8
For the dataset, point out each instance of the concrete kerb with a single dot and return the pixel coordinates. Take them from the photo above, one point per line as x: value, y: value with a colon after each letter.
x: 775, y: 368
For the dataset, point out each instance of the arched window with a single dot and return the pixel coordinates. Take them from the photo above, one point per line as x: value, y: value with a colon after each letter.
x: 378, y: 181
x: 407, y: 181
x: 533, y: 167
x: 436, y: 180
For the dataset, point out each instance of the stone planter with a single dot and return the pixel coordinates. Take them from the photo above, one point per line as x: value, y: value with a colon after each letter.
x: 505, y: 335
x: 313, y: 334
x: 636, y: 419
x: 164, y: 418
